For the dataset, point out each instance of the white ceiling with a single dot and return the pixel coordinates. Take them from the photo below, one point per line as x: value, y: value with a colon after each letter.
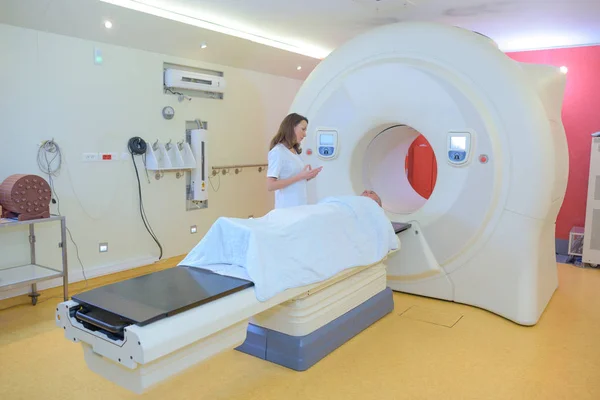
x: 85, y: 19
x: 318, y: 26
x: 298, y: 32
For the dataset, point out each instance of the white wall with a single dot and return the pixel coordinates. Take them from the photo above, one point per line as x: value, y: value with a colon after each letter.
x: 50, y: 88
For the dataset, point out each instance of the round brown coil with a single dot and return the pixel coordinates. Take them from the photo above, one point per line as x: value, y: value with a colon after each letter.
x: 25, y: 196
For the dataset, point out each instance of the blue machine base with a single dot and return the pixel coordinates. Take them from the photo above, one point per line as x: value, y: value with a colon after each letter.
x: 302, y: 352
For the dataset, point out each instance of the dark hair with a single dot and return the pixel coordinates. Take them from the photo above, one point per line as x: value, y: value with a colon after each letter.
x: 286, y: 135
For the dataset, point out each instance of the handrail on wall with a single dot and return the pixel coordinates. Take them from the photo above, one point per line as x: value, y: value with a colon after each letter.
x: 238, y: 168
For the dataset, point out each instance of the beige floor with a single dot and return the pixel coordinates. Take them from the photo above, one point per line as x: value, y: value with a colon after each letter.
x: 426, y: 349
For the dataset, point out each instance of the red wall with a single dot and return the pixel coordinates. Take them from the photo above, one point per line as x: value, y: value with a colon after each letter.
x: 581, y: 118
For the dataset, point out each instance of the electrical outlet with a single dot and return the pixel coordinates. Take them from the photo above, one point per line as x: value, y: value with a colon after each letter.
x: 103, y: 247
x: 87, y: 157
x: 193, y: 229
x: 109, y: 157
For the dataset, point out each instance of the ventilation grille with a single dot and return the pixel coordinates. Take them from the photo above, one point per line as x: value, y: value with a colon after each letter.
x: 194, y: 80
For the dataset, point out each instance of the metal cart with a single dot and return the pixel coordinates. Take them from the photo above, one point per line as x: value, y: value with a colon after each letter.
x: 31, y: 274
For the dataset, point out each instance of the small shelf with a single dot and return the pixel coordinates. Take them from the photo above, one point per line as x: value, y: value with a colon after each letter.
x: 31, y: 274
x: 5, y: 222
x: 25, y: 275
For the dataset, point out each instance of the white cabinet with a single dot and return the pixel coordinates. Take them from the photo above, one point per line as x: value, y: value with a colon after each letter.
x: 591, y: 238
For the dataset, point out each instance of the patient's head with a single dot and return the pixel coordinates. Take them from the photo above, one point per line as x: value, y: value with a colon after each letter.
x: 371, y: 194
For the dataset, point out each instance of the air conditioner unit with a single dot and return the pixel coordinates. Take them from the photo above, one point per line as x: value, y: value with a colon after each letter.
x: 177, y: 78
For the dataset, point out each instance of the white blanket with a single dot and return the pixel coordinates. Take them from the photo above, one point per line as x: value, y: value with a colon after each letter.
x: 297, y: 246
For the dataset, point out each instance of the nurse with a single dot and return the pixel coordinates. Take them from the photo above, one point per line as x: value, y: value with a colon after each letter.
x: 287, y: 174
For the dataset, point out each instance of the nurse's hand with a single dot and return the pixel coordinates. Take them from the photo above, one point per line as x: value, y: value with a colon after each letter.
x: 316, y: 172
x: 308, y: 173
x: 305, y: 175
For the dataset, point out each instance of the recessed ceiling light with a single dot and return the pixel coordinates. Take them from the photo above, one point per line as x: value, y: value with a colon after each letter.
x: 299, y: 67
x: 203, y: 46
x: 107, y: 24
x: 564, y: 69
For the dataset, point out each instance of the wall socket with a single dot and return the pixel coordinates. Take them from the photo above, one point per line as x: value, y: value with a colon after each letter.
x: 108, y: 157
x: 103, y: 247
x: 93, y: 157
x: 88, y: 157
x: 193, y: 229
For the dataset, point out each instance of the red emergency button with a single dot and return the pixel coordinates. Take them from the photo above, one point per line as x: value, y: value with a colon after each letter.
x: 483, y: 159
x: 309, y: 152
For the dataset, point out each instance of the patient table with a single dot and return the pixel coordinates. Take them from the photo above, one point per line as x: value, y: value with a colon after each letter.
x: 144, y: 330
x: 401, y: 227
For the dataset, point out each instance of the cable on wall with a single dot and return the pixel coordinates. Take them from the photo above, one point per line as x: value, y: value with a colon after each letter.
x: 137, y: 146
x: 180, y: 96
x: 50, y: 147
x: 211, y: 183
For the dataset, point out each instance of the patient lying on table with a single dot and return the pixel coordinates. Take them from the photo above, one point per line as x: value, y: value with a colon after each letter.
x: 372, y: 195
x: 297, y: 246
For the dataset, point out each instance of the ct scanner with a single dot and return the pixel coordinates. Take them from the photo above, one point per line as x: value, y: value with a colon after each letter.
x: 485, y: 237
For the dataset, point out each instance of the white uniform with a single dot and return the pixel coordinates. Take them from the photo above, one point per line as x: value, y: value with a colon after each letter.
x: 284, y: 164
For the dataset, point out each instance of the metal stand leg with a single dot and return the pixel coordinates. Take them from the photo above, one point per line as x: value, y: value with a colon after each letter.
x: 34, y: 293
x: 63, y: 245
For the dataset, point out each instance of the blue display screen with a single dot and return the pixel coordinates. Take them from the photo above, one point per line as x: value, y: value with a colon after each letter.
x: 458, y: 143
x: 326, y: 139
